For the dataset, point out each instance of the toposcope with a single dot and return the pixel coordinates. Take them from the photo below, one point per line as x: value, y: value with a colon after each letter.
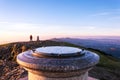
x: 57, y: 63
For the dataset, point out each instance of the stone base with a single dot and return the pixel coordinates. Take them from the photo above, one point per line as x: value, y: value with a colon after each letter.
x: 38, y: 77
x: 89, y: 78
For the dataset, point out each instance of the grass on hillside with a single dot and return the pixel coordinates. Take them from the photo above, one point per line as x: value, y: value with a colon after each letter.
x: 105, y: 60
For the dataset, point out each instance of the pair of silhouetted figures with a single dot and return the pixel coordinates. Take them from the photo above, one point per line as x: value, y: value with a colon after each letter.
x: 31, y: 38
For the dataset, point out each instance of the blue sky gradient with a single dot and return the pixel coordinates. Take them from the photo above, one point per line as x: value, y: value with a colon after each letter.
x: 58, y: 18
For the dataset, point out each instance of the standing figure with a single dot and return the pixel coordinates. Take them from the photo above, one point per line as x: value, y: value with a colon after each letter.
x: 38, y: 38
x: 31, y: 37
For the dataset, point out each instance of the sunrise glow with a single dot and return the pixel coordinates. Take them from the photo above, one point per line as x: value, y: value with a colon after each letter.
x: 58, y: 18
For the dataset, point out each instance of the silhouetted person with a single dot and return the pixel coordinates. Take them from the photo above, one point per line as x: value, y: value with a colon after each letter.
x: 31, y: 37
x: 38, y: 38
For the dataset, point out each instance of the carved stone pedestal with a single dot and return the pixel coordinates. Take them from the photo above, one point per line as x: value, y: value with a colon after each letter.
x: 57, y: 63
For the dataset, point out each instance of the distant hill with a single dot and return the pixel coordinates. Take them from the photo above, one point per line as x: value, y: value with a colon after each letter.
x: 108, y: 45
x: 107, y: 69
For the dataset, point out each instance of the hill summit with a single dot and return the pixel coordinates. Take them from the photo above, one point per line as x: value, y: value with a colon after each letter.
x: 107, y: 69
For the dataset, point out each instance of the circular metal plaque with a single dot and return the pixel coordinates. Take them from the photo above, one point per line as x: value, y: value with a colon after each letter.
x: 58, y: 52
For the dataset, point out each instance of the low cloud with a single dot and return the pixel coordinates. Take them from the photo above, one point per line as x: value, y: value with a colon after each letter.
x: 102, y: 14
x: 112, y: 12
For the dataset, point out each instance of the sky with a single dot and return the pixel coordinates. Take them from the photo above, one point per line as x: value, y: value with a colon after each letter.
x: 58, y: 18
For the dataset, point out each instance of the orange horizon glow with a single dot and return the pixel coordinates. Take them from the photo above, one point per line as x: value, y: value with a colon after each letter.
x: 20, y: 38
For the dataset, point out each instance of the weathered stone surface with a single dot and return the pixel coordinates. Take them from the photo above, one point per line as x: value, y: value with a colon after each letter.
x: 69, y: 68
x: 89, y: 78
x: 32, y: 76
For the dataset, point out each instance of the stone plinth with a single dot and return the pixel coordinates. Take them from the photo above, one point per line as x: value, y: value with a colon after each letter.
x: 89, y: 78
x: 57, y: 63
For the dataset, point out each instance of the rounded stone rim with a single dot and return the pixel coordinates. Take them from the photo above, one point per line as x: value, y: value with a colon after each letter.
x: 26, y: 59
